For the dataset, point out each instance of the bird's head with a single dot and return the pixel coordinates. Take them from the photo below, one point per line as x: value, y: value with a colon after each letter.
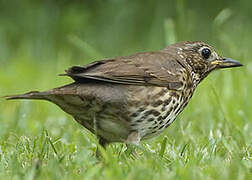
x: 202, y: 58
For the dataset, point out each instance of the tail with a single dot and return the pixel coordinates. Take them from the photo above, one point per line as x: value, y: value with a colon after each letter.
x: 29, y: 95
x: 68, y: 89
x: 66, y: 97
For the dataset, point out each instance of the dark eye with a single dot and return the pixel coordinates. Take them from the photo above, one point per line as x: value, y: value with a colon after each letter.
x: 206, y: 53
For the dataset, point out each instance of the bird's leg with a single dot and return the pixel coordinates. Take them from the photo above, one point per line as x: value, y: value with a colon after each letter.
x: 132, y: 140
x: 103, y: 142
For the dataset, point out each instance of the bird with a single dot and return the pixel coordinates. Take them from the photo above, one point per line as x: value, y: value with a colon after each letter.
x: 132, y: 98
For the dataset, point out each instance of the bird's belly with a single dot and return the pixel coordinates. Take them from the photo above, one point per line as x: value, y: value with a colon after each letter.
x: 111, y: 123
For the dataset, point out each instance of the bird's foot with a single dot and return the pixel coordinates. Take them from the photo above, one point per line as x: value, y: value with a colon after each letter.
x: 132, y: 143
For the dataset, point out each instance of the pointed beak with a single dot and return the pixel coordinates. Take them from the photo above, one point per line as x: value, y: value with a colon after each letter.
x: 226, y: 63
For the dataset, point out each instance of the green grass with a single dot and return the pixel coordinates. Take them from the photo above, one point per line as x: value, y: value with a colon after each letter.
x: 211, y: 138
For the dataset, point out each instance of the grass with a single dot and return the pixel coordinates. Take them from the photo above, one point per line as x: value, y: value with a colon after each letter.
x: 211, y: 138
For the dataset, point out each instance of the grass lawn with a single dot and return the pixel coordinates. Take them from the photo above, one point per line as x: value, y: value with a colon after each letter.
x: 211, y: 139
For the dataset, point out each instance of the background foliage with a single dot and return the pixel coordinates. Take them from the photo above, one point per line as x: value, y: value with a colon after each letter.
x: 211, y: 139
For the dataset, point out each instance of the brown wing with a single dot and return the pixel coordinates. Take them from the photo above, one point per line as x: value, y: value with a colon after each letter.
x: 152, y: 68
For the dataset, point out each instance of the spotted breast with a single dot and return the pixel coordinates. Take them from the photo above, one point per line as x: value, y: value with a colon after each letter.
x: 152, y: 116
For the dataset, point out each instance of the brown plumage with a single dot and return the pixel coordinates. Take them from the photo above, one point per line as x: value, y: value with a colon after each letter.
x: 126, y: 99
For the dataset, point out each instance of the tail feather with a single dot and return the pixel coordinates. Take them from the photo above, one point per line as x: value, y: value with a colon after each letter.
x: 29, y: 95
x: 68, y: 89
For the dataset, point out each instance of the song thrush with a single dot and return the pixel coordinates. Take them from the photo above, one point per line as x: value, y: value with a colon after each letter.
x: 130, y: 98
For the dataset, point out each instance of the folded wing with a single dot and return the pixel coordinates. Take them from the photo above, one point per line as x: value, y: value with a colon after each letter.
x: 152, y: 68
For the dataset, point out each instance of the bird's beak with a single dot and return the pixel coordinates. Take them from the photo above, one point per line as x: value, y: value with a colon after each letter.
x: 226, y: 63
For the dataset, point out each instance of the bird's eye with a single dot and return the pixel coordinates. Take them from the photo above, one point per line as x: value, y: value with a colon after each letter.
x: 206, y: 53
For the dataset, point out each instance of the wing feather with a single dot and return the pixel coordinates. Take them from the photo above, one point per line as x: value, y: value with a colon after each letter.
x: 152, y: 68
